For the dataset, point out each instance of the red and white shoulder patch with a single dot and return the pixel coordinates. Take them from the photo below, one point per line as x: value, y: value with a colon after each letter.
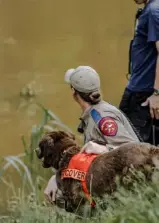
x: 108, y: 126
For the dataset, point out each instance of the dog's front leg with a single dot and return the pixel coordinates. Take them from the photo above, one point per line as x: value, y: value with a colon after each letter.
x: 73, y: 195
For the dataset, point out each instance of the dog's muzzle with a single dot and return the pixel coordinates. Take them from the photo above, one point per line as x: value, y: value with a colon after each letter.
x: 38, y: 153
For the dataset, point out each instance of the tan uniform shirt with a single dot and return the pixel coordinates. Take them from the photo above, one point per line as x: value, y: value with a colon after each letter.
x: 105, y: 123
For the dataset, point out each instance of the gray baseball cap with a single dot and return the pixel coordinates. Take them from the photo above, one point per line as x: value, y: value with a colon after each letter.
x: 83, y: 79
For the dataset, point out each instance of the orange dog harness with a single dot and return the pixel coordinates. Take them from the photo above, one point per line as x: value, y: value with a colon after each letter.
x: 78, y: 169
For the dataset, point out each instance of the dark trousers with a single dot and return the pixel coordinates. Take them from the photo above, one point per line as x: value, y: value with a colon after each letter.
x: 140, y: 116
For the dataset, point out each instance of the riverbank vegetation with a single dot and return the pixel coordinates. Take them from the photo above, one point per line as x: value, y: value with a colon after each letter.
x: 26, y: 204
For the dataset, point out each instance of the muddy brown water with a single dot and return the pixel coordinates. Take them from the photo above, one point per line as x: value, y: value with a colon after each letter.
x: 40, y: 40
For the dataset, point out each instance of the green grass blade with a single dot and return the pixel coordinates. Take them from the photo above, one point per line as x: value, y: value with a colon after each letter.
x: 27, y: 172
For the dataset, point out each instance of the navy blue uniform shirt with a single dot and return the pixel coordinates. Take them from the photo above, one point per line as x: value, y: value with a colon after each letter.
x: 144, y: 52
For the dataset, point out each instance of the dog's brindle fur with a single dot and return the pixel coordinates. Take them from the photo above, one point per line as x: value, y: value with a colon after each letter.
x: 57, y: 148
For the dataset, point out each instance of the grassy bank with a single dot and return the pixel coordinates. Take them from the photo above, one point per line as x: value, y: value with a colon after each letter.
x: 26, y: 203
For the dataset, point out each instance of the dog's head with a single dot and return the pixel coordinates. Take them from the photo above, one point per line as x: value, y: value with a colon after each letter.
x: 52, y: 147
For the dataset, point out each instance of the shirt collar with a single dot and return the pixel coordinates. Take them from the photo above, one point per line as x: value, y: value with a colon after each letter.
x: 85, y: 113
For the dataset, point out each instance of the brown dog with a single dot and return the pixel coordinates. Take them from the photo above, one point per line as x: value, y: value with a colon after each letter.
x: 58, y: 148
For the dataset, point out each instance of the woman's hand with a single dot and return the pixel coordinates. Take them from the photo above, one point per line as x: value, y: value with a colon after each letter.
x: 51, y: 189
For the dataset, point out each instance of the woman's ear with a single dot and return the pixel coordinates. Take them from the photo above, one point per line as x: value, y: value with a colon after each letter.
x: 73, y: 90
x: 74, y: 94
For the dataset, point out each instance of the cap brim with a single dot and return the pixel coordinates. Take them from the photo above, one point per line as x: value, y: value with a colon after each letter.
x: 68, y: 75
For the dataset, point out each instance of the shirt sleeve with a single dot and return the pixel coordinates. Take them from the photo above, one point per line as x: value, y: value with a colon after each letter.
x: 113, y: 130
x: 153, y: 24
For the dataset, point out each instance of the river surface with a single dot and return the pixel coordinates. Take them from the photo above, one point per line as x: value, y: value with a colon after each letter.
x: 40, y: 40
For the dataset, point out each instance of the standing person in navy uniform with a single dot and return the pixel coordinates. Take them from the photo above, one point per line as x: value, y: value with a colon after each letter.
x: 140, y: 101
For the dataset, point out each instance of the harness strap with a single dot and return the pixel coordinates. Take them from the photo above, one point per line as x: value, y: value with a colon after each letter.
x: 88, y: 196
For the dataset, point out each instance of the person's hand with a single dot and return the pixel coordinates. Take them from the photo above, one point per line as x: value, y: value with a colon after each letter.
x: 51, y: 189
x: 153, y: 102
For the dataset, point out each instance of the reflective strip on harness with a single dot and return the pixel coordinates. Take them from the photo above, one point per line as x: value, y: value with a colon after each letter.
x: 73, y: 173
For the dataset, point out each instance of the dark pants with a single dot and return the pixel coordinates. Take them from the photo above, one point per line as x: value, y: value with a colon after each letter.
x: 140, y: 116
